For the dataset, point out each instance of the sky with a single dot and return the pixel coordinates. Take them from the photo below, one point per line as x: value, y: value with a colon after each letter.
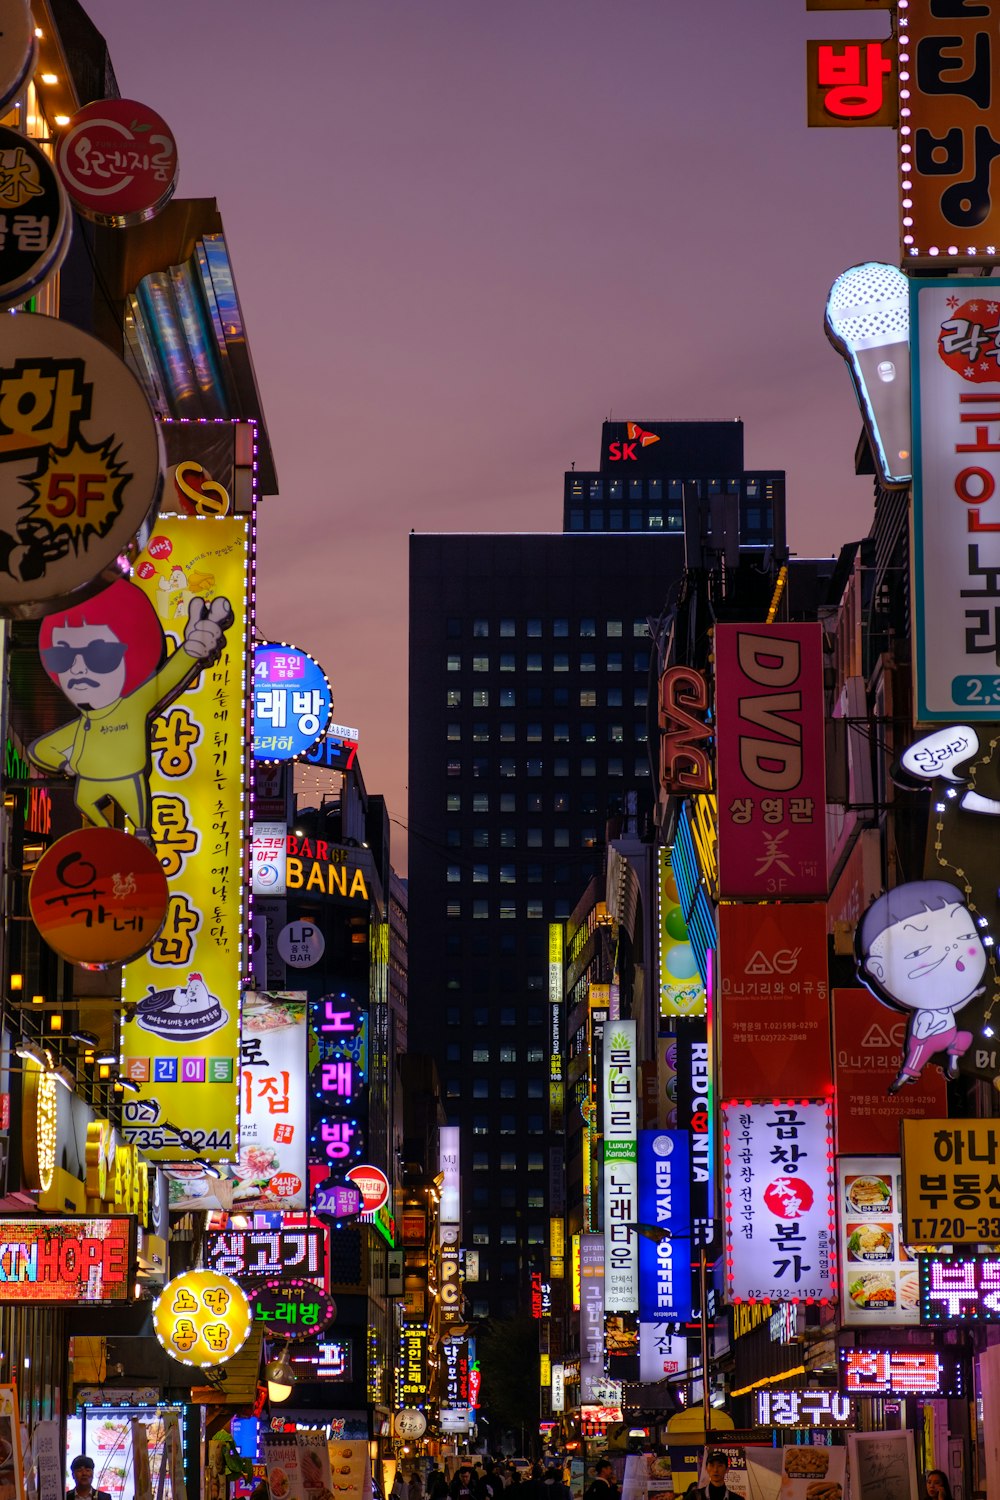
x: 466, y: 233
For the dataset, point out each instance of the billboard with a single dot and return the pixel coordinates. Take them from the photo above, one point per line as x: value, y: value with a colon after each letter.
x: 682, y: 989
x: 956, y: 510
x: 271, y: 1168
x: 959, y: 1289
x: 951, y: 1190
x: 591, y: 1317
x: 868, y: 1041
x: 780, y: 1227
x: 67, y: 1261
x: 619, y: 1097
x: 775, y: 1031
x: 180, y: 1038
x: 770, y: 761
x: 892, y: 1373
x: 664, y: 1206
x: 450, y: 1148
x: 879, y: 1272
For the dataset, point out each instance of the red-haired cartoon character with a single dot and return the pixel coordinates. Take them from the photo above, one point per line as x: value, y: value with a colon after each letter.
x: 109, y: 658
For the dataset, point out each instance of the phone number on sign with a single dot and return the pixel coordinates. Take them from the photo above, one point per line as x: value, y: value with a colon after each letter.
x: 954, y: 1229
x: 155, y: 1138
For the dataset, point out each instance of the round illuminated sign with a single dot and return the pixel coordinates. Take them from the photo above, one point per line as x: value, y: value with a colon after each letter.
x: 118, y: 160
x: 202, y: 1318
x: 18, y: 50
x: 373, y: 1185
x: 292, y: 1310
x: 292, y: 702
x: 410, y: 1423
x: 82, y: 469
x: 98, y: 897
x: 36, y: 222
x: 301, y: 945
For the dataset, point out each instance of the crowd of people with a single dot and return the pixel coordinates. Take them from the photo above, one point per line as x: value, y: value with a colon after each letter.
x: 487, y: 1479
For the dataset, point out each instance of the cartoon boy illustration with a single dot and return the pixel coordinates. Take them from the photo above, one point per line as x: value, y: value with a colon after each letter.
x: 919, y: 949
x: 108, y: 657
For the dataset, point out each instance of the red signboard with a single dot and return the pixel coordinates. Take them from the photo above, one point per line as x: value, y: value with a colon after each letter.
x: 118, y: 161
x: 770, y: 761
x: 869, y: 1040
x: 775, y: 1034
x: 685, y: 732
x: 66, y: 1260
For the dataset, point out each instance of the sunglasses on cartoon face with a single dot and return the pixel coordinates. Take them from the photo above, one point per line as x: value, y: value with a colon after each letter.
x: 97, y: 656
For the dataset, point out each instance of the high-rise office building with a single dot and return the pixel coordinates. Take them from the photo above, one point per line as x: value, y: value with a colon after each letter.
x: 528, y: 722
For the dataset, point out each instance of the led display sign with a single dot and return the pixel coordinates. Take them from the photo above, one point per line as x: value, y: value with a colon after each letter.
x: 591, y: 1316
x: 292, y: 1310
x: 202, y: 1318
x: 803, y: 1408
x: 413, y: 1363
x: 959, y: 1289
x: 66, y: 1260
x: 338, y: 1083
x: 336, y: 751
x: 321, y: 1359
x: 905, y: 1371
x: 265, y: 1254
x: 557, y: 1086
x: 292, y: 702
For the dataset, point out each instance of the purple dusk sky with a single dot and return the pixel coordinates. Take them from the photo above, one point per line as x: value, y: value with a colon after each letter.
x: 464, y: 233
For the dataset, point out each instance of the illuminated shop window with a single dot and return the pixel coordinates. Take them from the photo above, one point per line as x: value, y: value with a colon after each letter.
x: 481, y: 698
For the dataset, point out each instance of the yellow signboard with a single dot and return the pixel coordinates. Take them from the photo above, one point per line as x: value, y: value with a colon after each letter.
x: 202, y: 1318
x: 181, y: 1036
x: 951, y: 1190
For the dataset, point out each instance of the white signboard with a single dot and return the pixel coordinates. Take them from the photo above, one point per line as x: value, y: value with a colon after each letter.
x: 780, y: 1228
x: 621, y: 1174
x: 558, y: 1388
x: 880, y: 1277
x: 955, y: 338
x: 271, y: 1169
x: 450, y: 1162
x: 267, y: 859
x: 662, y: 1353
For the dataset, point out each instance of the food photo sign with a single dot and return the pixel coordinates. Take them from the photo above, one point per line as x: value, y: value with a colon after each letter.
x: 881, y: 1284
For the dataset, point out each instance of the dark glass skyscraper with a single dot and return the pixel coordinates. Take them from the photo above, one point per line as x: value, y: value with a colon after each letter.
x: 530, y: 677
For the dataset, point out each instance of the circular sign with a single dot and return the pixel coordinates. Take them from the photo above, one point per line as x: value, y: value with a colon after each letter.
x: 410, y: 1423
x: 292, y: 702
x: 81, y: 468
x: 18, y: 50
x: 202, y: 1318
x: 98, y: 897
x: 35, y: 223
x: 118, y: 160
x: 301, y: 945
x: 374, y: 1186
x: 292, y: 1310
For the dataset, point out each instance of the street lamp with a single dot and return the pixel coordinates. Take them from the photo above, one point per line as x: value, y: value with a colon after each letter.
x: 658, y: 1234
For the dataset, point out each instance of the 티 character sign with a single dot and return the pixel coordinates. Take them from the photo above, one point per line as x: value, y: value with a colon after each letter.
x: 919, y: 948
x: 108, y: 658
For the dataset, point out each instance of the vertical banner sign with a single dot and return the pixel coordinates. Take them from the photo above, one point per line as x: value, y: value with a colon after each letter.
x: 556, y: 1081
x: 955, y: 337
x: 181, y: 1045
x: 948, y: 210
x: 338, y: 1113
x: 868, y: 1041
x: 879, y: 1274
x: 775, y: 1028
x: 770, y: 761
x: 682, y: 991
x: 661, y: 1352
x: 620, y: 1101
x: 591, y: 1318
x: 450, y: 1211
x: 665, y: 1207
x: 271, y: 1169
x: 780, y: 1224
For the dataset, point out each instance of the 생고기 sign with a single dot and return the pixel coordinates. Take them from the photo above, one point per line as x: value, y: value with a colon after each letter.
x: 202, y: 1318
x: 98, y: 897
x: 181, y: 1044
x: 292, y: 702
x: 118, y: 161
x: 80, y: 464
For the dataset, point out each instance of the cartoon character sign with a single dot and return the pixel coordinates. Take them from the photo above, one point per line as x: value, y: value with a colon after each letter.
x: 919, y: 948
x: 108, y: 657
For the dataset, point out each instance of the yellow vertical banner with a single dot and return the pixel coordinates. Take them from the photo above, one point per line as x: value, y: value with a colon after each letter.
x: 180, y: 1038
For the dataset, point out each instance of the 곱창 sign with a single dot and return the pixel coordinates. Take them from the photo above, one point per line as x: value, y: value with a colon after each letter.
x: 98, y: 897
x: 202, y: 1318
x: 35, y: 222
x: 66, y: 1260
x: 81, y: 464
x: 118, y: 161
x: 292, y: 703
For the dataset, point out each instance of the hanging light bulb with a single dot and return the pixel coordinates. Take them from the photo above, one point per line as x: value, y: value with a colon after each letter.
x: 280, y: 1377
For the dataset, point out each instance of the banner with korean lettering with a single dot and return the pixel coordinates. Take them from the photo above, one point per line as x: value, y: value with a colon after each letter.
x: 850, y: 82
x: 180, y: 1045
x: 779, y: 1198
x: 664, y: 1221
x: 955, y: 343
x: 619, y: 1122
x: 591, y: 1317
x: 271, y: 1169
x: 951, y: 1182
x: 775, y: 1032
x: 770, y: 761
x: 869, y: 1040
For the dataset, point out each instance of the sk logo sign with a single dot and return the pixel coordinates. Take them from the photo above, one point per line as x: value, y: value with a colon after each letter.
x: 637, y: 435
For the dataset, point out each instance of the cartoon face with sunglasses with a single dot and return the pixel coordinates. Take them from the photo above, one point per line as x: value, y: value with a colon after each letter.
x: 108, y: 657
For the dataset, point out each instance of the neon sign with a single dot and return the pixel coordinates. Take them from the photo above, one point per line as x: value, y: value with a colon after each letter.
x: 959, y: 1288
x: 902, y: 1372
x: 66, y: 1260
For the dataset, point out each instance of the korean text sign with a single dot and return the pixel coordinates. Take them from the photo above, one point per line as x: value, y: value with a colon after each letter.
x: 271, y: 1169
x: 66, y: 1260
x: 955, y: 343
x: 770, y: 760
x: 850, y: 82
x: 775, y: 1030
x: 292, y: 702
x: 869, y: 1040
x: 959, y: 1289
x: 780, y: 1230
x: 621, y: 1198
x: 948, y: 213
x: 181, y: 1047
x: 951, y: 1181
x: 665, y: 1206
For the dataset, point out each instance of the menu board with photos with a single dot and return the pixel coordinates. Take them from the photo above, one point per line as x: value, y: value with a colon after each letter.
x: 813, y: 1473
x: 879, y: 1273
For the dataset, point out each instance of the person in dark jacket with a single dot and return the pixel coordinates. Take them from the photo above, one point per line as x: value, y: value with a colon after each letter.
x: 553, y: 1487
x: 716, y: 1466
x: 463, y: 1487
x: 603, y: 1486
x: 82, y: 1470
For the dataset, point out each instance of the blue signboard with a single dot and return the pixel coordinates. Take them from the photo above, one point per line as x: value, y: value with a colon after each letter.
x: 292, y: 702
x: 695, y: 905
x: 664, y: 1204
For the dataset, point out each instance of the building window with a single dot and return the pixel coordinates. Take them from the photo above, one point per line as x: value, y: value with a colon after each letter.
x: 588, y: 766
x: 454, y: 768
x: 480, y: 873
x: 640, y: 661
x: 508, y: 1016
x: 640, y: 697
x: 536, y: 1088
x: 536, y: 1200
x: 453, y: 1088
x: 640, y: 628
x: 560, y: 802
x: 480, y: 767
x: 588, y: 731
x: 453, y: 1052
x: 535, y: 1235
x: 534, y: 838
x: 534, y: 767
x: 576, y: 520
x: 480, y: 1088
x: 508, y: 838
x: 508, y: 1054
x: 615, y: 766
x: 588, y: 698
x: 508, y: 628
x: 507, y: 876
x: 535, y: 1054
x: 480, y: 1234
x: 560, y: 838
x: 560, y: 734
x: 453, y: 628
x: 536, y: 1162
x: 534, y: 629
x: 588, y: 838
x: 508, y: 1088
x: 453, y: 1016
x: 655, y: 489
x: 480, y: 1161
x: 615, y: 519
x: 534, y: 661
x: 480, y: 1054
x: 614, y: 489
x: 480, y: 664
x: 454, y: 664
x: 453, y: 909
x: 508, y: 911
x: 508, y: 698
x: 534, y: 733
x: 508, y: 802
x: 507, y: 733
x: 561, y: 908
x: 480, y: 697
x: 534, y: 910
x: 588, y: 661
x: 481, y: 1016
x: 560, y: 662
x: 597, y: 489
x: 453, y: 698
x: 480, y: 910
x: 454, y: 802
x: 480, y: 838
x: 453, y: 873
x: 614, y: 662
x: 588, y: 627
x: 508, y: 1232
x: 480, y: 1124
x: 508, y: 1124
x: 454, y: 731
x: 614, y: 627
x: 534, y: 875
x: 560, y: 629
x: 453, y: 838
x: 641, y: 766
x: 616, y: 733
x: 639, y: 732
x: 480, y: 732
x: 480, y: 629
x: 508, y: 1161
x: 507, y: 661
x: 508, y: 766
x: 480, y: 802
